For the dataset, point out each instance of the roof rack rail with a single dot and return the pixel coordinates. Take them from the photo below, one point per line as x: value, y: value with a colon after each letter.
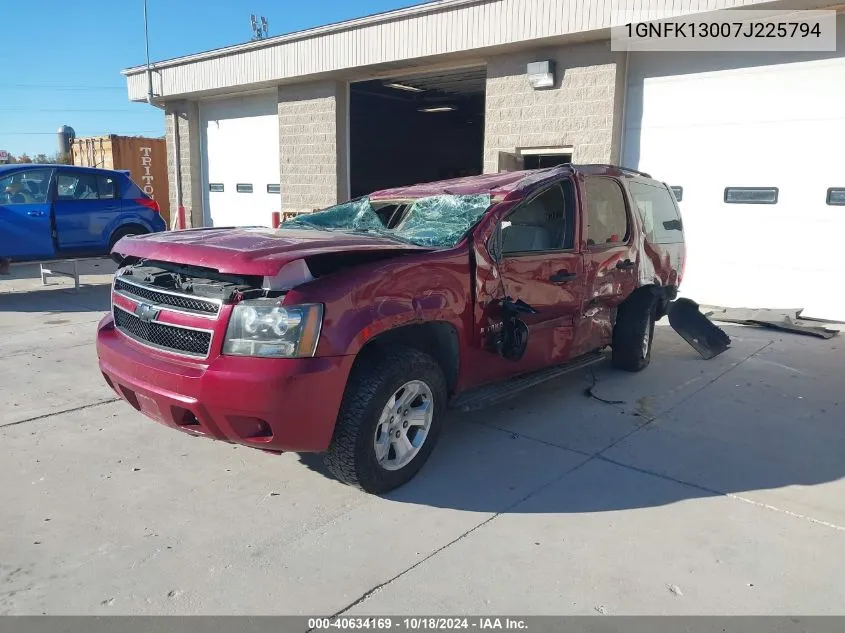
x: 622, y: 169
x: 634, y: 171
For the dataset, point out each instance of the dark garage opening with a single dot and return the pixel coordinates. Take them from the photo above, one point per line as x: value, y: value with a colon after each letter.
x: 419, y: 128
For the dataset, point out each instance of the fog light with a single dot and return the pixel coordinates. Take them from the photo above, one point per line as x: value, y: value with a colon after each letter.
x: 249, y: 428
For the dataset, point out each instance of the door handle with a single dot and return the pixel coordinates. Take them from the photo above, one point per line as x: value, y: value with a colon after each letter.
x: 625, y: 265
x: 112, y: 208
x: 562, y: 276
x: 35, y: 214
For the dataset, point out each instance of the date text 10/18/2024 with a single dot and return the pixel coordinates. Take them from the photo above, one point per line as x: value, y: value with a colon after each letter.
x: 417, y: 623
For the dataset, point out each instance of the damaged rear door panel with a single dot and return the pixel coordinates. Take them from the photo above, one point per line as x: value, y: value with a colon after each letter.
x: 611, y: 260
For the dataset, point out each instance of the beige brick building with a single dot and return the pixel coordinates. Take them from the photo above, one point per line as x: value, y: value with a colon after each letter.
x: 447, y: 88
x: 320, y: 102
x: 312, y: 142
x: 582, y: 112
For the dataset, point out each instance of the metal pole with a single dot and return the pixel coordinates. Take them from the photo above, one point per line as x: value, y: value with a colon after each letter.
x: 179, y: 220
x: 147, y: 46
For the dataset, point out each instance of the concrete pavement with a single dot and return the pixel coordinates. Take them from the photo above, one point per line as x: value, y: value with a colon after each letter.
x: 715, y: 487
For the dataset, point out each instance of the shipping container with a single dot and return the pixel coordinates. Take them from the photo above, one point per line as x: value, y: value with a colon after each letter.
x: 144, y: 158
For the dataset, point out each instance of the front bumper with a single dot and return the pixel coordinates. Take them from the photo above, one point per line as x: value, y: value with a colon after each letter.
x: 273, y: 404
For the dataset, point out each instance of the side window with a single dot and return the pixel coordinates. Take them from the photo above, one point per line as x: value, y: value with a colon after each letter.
x: 25, y: 187
x: 661, y: 220
x: 544, y: 223
x: 106, y: 187
x: 607, y: 222
x: 79, y: 186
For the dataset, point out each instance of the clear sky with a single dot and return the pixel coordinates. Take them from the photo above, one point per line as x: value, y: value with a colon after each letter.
x: 62, y: 59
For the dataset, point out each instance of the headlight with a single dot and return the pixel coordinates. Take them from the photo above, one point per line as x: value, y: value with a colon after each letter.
x: 264, y: 327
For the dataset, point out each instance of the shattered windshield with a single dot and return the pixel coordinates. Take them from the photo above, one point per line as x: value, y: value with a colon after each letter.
x: 437, y: 221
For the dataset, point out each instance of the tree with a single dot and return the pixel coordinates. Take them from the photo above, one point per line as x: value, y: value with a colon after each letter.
x: 64, y: 158
x: 23, y: 158
x: 41, y: 159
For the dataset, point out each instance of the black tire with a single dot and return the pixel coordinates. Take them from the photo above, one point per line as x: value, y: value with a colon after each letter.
x: 634, y: 321
x: 351, y: 456
x: 120, y: 233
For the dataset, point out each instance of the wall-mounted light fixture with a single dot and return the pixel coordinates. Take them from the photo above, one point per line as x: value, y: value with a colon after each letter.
x: 541, y: 74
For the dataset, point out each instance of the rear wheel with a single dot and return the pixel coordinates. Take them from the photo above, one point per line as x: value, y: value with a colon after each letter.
x: 125, y: 231
x: 389, y: 420
x: 633, y: 333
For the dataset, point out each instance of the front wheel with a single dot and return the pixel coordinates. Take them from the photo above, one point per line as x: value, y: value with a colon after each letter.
x: 389, y: 420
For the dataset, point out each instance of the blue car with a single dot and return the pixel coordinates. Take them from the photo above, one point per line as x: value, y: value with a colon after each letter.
x: 56, y: 211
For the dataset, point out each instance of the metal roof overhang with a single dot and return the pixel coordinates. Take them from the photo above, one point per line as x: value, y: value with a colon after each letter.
x: 444, y: 32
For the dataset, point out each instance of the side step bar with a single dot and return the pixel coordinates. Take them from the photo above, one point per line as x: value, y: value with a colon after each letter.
x: 488, y: 395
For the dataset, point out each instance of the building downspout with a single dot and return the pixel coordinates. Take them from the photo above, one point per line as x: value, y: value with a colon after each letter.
x: 624, y: 117
x: 179, y: 221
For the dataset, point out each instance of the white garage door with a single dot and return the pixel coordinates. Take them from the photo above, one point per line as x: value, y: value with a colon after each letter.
x: 707, y: 125
x: 240, y: 160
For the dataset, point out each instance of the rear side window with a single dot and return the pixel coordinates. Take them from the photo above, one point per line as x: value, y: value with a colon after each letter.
x: 84, y: 186
x: 661, y: 220
x: 607, y: 221
x: 107, y: 187
x: 77, y: 186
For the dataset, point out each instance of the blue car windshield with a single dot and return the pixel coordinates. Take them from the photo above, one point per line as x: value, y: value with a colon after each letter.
x: 435, y: 221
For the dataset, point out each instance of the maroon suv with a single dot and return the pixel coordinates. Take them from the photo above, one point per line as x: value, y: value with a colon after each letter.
x: 351, y: 330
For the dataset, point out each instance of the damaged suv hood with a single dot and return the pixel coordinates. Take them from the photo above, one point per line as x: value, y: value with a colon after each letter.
x: 251, y: 251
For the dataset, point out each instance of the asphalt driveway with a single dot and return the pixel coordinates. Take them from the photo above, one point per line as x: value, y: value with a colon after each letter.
x: 713, y: 487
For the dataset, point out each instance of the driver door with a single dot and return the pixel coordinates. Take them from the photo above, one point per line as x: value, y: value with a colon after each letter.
x: 539, y: 264
x: 26, y: 230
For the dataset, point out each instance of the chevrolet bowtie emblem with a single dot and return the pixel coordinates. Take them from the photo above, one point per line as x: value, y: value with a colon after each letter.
x: 146, y: 312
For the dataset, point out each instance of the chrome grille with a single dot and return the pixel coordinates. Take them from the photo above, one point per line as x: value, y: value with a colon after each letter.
x: 180, y: 301
x: 164, y: 336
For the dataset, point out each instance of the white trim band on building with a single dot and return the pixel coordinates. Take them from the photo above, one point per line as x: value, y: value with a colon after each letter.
x: 446, y: 27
